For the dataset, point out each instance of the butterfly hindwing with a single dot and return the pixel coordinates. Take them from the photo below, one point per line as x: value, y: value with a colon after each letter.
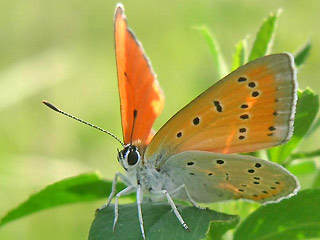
x: 213, y: 177
x: 250, y: 109
x: 138, y: 87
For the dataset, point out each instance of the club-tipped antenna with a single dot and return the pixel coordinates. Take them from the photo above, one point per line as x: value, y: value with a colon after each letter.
x: 135, y: 113
x: 80, y: 120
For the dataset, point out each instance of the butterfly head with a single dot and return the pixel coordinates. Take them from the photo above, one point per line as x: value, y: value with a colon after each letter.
x: 129, y: 157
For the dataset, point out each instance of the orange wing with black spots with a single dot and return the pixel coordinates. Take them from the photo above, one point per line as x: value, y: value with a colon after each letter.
x: 250, y: 109
x: 138, y: 87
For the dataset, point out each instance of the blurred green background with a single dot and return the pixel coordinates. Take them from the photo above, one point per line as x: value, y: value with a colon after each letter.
x: 63, y: 51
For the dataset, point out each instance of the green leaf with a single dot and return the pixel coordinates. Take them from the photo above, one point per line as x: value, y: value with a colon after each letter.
x: 81, y: 188
x: 314, y: 127
x: 295, y: 219
x: 240, y: 56
x: 302, y: 168
x: 307, y: 109
x: 218, y: 60
x: 264, y: 37
x: 219, y: 228
x: 160, y: 223
x: 301, y: 56
x: 301, y: 155
x: 305, y: 171
x: 316, y: 183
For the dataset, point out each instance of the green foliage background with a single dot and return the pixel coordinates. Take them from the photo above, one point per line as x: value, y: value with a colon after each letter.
x: 63, y: 51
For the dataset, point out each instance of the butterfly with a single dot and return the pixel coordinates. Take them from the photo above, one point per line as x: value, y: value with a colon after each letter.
x: 191, y: 157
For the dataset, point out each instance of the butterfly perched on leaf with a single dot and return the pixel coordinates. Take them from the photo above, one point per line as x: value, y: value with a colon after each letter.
x: 192, y: 156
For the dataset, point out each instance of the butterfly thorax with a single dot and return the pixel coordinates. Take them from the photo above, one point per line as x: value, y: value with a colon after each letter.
x: 152, y: 180
x: 143, y: 173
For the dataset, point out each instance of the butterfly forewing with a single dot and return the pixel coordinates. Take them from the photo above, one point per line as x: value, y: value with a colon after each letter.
x: 250, y: 109
x: 139, y: 90
x: 213, y: 177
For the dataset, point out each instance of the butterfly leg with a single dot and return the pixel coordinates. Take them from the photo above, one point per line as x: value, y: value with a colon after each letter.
x: 193, y: 202
x: 173, y: 206
x: 139, y: 200
x: 113, y: 190
x: 124, y: 192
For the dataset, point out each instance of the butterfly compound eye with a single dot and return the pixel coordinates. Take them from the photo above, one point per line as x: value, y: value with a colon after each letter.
x: 132, y: 156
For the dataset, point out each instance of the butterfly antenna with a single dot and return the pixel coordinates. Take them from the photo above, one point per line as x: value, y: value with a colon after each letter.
x: 135, y: 113
x: 80, y: 120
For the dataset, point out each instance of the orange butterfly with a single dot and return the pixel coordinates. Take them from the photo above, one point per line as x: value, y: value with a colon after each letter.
x: 189, y: 157
x: 250, y: 109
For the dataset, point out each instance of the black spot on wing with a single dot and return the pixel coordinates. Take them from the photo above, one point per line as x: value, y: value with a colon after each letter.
x: 251, y: 84
x: 272, y: 128
x: 219, y: 161
x: 244, y: 116
x: 217, y: 105
x: 196, y: 121
x: 242, y: 130
x: 242, y: 79
x: 258, y: 165
x: 255, y: 94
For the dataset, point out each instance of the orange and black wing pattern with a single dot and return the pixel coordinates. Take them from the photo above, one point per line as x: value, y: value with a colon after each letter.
x: 250, y: 109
